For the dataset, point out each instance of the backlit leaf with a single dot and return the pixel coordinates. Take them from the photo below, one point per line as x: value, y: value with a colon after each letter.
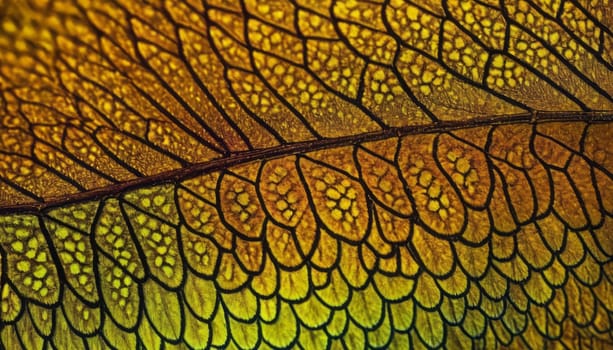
x: 283, y: 174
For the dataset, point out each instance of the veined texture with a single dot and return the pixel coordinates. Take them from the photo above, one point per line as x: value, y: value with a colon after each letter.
x: 309, y: 174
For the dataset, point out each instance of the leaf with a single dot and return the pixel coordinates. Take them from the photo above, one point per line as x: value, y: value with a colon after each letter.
x: 282, y: 174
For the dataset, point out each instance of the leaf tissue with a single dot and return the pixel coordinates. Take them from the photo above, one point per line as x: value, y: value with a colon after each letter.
x: 306, y: 174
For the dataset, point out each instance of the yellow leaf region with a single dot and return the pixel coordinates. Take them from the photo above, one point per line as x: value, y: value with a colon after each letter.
x: 298, y: 174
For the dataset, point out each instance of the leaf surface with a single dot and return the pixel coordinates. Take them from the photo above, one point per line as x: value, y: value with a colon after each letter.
x: 280, y: 174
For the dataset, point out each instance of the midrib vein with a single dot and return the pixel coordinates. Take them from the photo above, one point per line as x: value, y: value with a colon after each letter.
x: 181, y: 174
